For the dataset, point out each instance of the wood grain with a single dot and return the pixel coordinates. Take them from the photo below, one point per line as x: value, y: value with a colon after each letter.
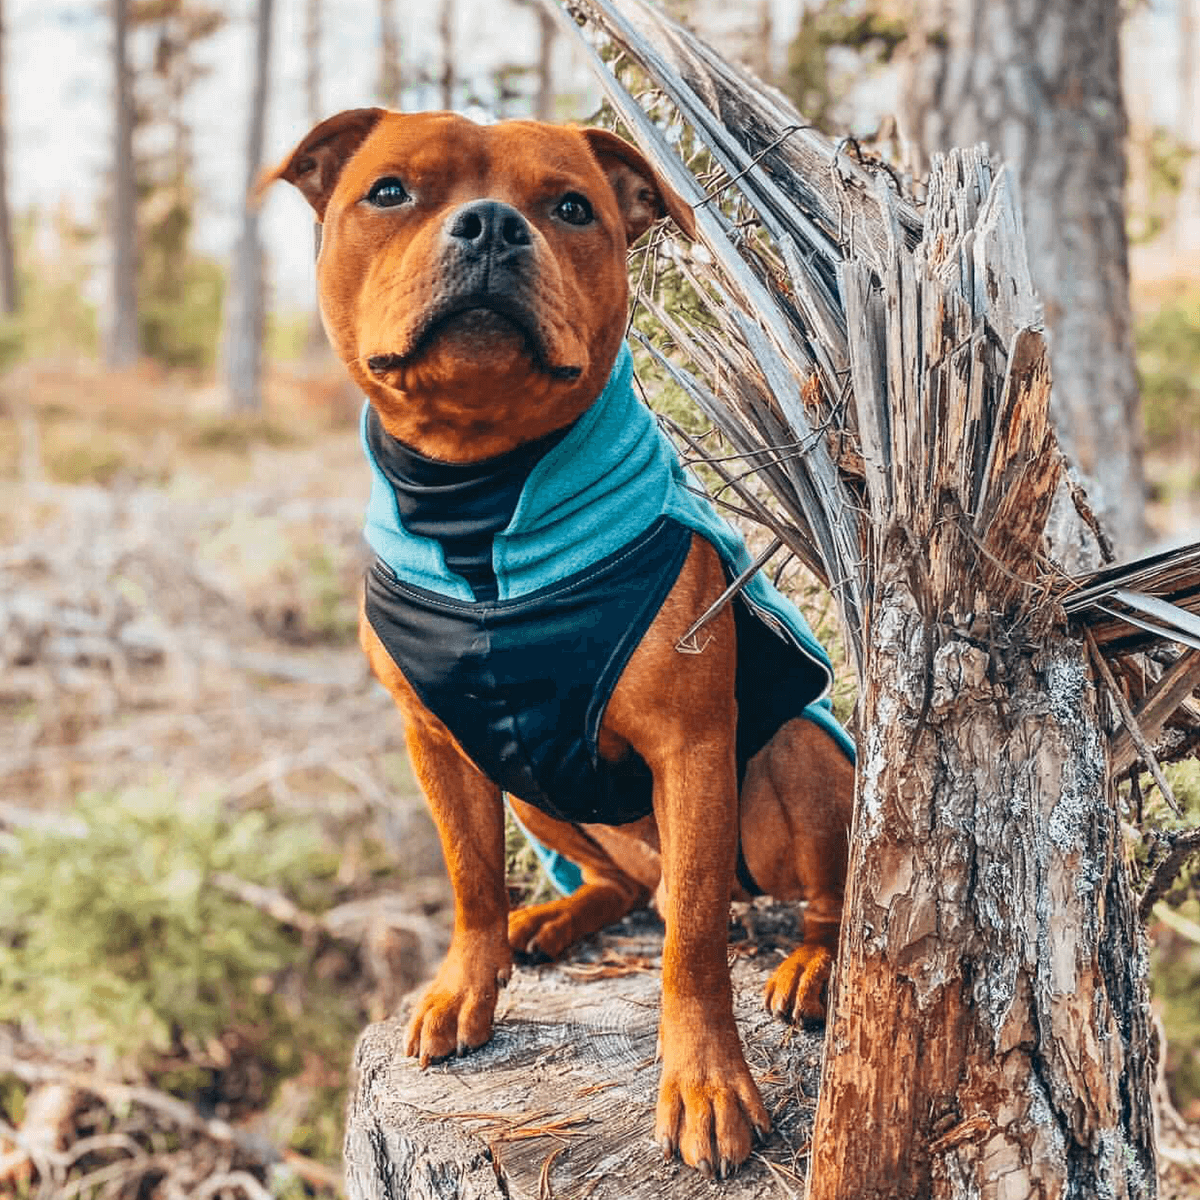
x: 560, y: 1103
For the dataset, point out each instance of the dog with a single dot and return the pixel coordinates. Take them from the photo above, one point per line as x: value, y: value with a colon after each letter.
x: 541, y: 556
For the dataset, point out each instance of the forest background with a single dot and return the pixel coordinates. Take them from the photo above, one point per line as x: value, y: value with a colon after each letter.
x: 216, y: 867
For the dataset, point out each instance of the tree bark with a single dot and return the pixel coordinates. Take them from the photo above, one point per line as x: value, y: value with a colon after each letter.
x: 389, y: 55
x: 122, y: 345
x: 1042, y: 87
x: 245, y: 304
x: 990, y: 1036
x: 990, y: 1029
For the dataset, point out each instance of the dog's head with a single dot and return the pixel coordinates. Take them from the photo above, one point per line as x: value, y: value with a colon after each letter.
x: 461, y: 263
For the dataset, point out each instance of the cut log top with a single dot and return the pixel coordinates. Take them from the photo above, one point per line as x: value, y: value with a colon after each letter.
x: 560, y: 1103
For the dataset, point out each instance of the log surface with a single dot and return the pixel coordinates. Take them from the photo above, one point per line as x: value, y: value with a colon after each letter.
x: 560, y: 1103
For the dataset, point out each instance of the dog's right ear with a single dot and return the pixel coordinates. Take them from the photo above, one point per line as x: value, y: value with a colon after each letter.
x: 315, y: 164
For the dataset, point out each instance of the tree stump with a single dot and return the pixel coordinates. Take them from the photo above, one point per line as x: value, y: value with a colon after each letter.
x: 561, y: 1101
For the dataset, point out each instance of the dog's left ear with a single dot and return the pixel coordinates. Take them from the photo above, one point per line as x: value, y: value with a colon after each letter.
x: 315, y: 164
x: 643, y: 197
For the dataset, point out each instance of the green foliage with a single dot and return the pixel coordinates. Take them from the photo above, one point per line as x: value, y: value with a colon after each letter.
x: 826, y: 28
x: 1175, y: 936
x: 179, y: 311
x: 116, y: 935
x: 1163, y: 159
x: 1168, y: 352
x: 54, y: 318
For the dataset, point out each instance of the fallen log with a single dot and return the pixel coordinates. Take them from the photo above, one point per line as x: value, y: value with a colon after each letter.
x: 561, y: 1101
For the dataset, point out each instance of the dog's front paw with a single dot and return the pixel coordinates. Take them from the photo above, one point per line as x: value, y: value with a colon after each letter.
x: 454, y: 1015
x: 709, y: 1110
x: 796, y: 992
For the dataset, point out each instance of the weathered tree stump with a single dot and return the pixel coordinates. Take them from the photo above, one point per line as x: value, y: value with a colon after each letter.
x: 561, y: 1101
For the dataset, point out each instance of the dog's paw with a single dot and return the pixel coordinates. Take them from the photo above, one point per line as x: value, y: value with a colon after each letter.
x: 796, y: 991
x: 454, y: 1016
x: 542, y: 932
x: 710, y: 1113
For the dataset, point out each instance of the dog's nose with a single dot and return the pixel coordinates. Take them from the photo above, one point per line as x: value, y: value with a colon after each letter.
x: 488, y: 228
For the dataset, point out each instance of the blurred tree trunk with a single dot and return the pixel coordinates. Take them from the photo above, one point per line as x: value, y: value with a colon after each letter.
x: 9, y: 299
x: 389, y: 55
x: 122, y: 343
x: 1045, y: 94
x: 245, y: 302
x: 543, y: 102
x: 312, y: 59
x: 446, y: 37
x: 316, y: 344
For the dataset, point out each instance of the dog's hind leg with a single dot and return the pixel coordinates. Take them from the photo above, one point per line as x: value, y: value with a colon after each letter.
x: 797, y: 799
x: 544, y: 931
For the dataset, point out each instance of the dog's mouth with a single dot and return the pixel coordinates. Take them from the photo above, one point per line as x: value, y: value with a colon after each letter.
x: 483, y: 316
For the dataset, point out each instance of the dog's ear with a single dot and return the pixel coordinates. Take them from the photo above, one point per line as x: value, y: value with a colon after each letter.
x: 643, y: 197
x: 315, y: 164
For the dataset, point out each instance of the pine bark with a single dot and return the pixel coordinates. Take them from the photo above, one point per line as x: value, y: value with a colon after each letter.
x: 1040, y: 83
x: 990, y: 1037
x: 989, y: 1034
x: 245, y: 304
x: 122, y: 342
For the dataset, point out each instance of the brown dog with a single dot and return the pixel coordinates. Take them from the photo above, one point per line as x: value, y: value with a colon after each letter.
x: 473, y: 281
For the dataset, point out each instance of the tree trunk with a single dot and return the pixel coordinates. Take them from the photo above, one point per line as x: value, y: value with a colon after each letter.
x: 245, y: 304
x: 990, y: 1037
x: 989, y: 1034
x: 1045, y: 94
x: 389, y: 55
x: 543, y: 102
x: 989, y: 1029
x: 122, y: 342
x: 312, y: 59
x: 446, y: 37
x: 316, y: 345
x: 9, y: 298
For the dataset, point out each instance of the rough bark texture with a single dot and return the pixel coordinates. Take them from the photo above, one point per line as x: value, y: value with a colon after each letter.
x: 122, y: 342
x: 245, y: 303
x: 561, y: 1101
x: 1039, y: 81
x: 990, y: 1037
x: 991, y: 942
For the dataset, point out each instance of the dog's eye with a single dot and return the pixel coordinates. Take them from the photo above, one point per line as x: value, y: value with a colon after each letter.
x: 387, y: 193
x: 574, y: 209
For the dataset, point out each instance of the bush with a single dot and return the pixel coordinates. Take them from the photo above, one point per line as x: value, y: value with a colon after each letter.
x: 1168, y: 350
x: 115, y: 934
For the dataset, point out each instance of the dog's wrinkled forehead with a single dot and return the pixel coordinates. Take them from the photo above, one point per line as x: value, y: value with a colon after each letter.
x: 442, y: 155
x: 445, y: 157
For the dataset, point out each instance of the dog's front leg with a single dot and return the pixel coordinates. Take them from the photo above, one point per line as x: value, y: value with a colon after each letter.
x: 455, y: 1013
x: 678, y: 712
x: 708, y: 1105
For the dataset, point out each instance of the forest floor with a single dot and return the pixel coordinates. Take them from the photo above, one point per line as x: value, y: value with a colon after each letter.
x: 204, y: 797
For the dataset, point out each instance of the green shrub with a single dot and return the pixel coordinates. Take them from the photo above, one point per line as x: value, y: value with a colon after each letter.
x: 115, y: 934
x: 1168, y: 351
